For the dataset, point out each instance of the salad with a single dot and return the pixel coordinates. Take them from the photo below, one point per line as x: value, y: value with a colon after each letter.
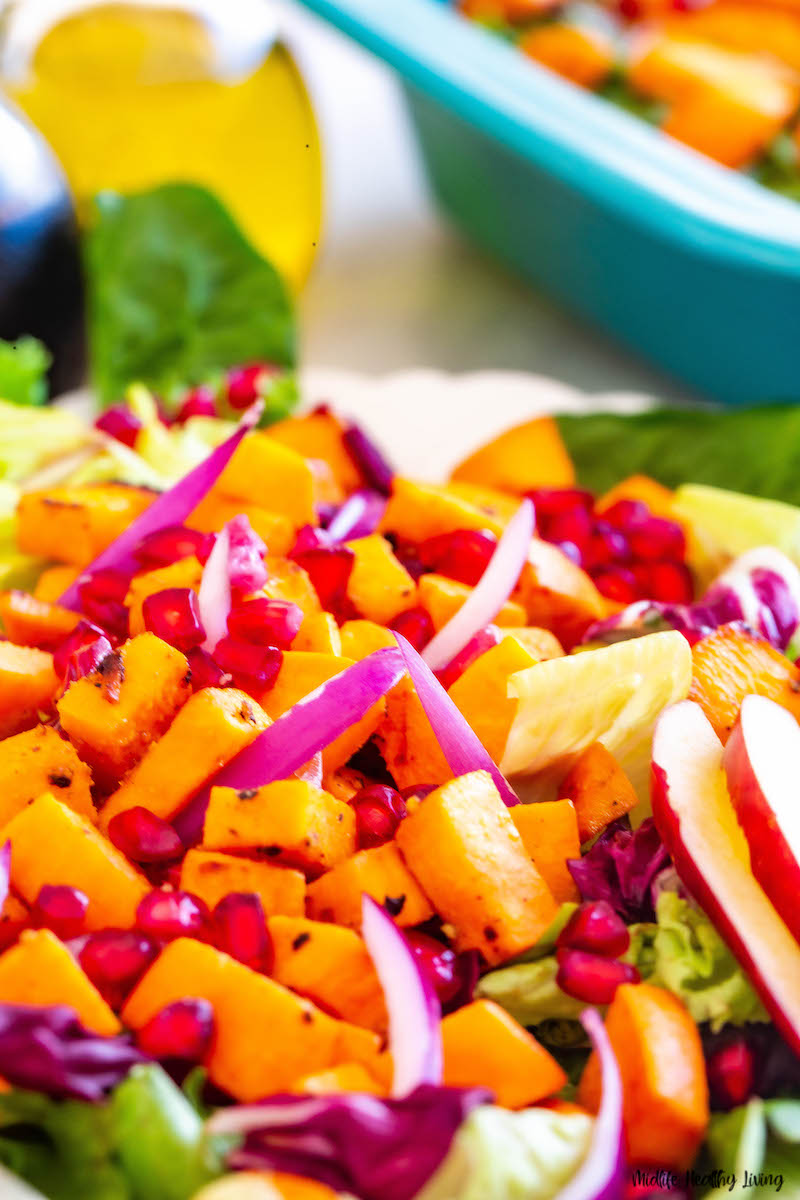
x: 362, y: 836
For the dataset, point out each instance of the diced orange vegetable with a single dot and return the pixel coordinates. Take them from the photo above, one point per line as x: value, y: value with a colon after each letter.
x: 53, y: 582
x: 380, y: 873
x: 501, y: 506
x: 443, y: 597
x: 319, y: 435
x: 40, y: 761
x: 40, y: 971
x: 112, y: 715
x: 349, y: 1077
x: 28, y: 686
x: 599, y: 789
x: 52, y: 844
x: 319, y: 634
x: 27, y: 621
x: 756, y: 28
x: 329, y: 964
x: 481, y: 693
x: 410, y: 747
x: 74, y: 524
x: 213, y: 726
x: 286, y: 580
x: 264, y: 472
x: 293, y: 1187
x: 639, y: 487
x: 185, y: 573
x: 421, y: 510
x: 558, y: 595
x: 266, y: 1037
x: 731, y: 129
x: 549, y: 831
x: 576, y: 52
x: 485, y: 1047
x: 730, y: 664
x: 529, y: 456
x: 462, y: 845
x: 360, y: 638
x: 264, y: 1185
x: 213, y: 876
x: 215, y: 510
x: 660, y: 1056
x: 379, y: 586
x: 14, y: 917
x: 542, y: 644
x: 292, y: 822
x: 344, y: 783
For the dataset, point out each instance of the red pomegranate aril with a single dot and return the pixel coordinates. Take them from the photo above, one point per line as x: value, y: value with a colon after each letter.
x: 265, y: 622
x: 606, y: 545
x: 484, y: 640
x: 199, y: 402
x: 61, y: 908
x: 240, y: 928
x: 731, y: 1071
x: 119, y: 423
x: 379, y: 810
x: 552, y: 502
x: 591, y: 978
x: 656, y: 538
x: 329, y: 570
x: 173, y: 616
x: 671, y: 582
x: 82, y: 651
x: 310, y: 537
x: 183, y: 1030
x: 165, y: 915
x: 114, y: 959
x: 245, y: 384
x: 144, y: 837
x: 415, y: 625
x: 617, y: 583
x: 462, y: 555
x: 626, y: 514
x: 102, y: 597
x: 251, y: 667
x: 205, y: 672
x: 163, y: 547
x: 438, y: 962
x: 594, y: 926
x: 574, y: 526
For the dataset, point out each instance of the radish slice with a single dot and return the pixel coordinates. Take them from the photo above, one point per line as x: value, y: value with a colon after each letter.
x: 489, y: 594
x: 601, y: 1175
x: 171, y: 508
x: 214, y: 593
x: 460, y: 744
x: 415, y: 1038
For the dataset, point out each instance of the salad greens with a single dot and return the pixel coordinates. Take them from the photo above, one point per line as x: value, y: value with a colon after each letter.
x: 23, y: 371
x: 759, y: 1143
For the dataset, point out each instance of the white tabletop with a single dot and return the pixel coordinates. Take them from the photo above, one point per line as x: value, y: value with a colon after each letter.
x: 395, y: 286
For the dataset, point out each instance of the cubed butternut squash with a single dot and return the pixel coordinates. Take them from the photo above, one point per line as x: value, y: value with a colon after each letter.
x: 112, y: 715
x: 599, y: 790
x: 481, y: 693
x: 409, y: 745
x: 349, y: 1077
x: 532, y: 455
x: 213, y: 726
x: 28, y: 685
x: 53, y: 582
x: 185, y: 573
x: 417, y: 511
x: 360, y: 638
x: 499, y: 505
x: 442, y: 598
x: 52, y: 844
x: 212, y: 876
x: 462, y: 845
x: 27, y: 621
x: 286, y: 580
x: 73, y: 524
x: 292, y: 822
x: 549, y: 831
x: 40, y: 970
x: 319, y: 435
x: 649, y: 491
x: 558, y: 595
x: 264, y: 472
x: 380, y: 873
x: 575, y: 52
x: 330, y: 965
x: 379, y: 587
x: 214, y: 511
x: 485, y: 1047
x: 320, y: 634
x: 40, y: 761
x: 542, y: 644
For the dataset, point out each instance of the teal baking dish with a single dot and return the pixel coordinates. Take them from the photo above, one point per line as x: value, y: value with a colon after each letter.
x: 689, y: 264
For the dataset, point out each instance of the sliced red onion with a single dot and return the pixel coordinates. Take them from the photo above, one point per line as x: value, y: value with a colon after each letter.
x: 170, y: 508
x: 490, y: 593
x: 369, y: 459
x: 246, y: 556
x: 214, y: 593
x: 601, y: 1175
x: 311, y: 772
x: 359, y: 516
x: 415, y: 1037
x: 5, y: 873
x: 459, y: 743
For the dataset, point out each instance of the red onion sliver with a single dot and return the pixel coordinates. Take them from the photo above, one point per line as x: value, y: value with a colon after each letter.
x: 5, y: 872
x: 489, y: 594
x: 170, y: 508
x: 369, y: 459
x: 459, y: 743
x: 214, y: 593
x: 359, y: 516
x: 601, y: 1175
x: 415, y: 1037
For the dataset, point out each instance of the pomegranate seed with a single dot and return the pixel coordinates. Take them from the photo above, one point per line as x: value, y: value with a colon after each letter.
x: 265, y: 622
x: 438, y: 962
x: 119, y: 423
x: 590, y: 978
x: 115, y: 959
x: 166, y: 546
x: 574, y: 526
x: 205, y: 672
x: 418, y: 790
x: 102, y: 597
x: 616, y: 583
x: 416, y: 626
x: 595, y: 927
x: 173, y: 616
x: 379, y: 810
x: 199, y: 402
x: 463, y: 554
x: 731, y: 1074
x: 241, y: 930
x: 61, y: 908
x: 310, y: 537
x: 626, y: 514
x: 484, y: 640
x: 183, y: 1029
x: 246, y: 384
x: 81, y: 652
x: 671, y: 582
x: 552, y: 502
x: 631, y: 10
x: 329, y: 570
x: 143, y: 837
x: 606, y: 545
x: 251, y: 667
x: 165, y: 915
x: 656, y: 538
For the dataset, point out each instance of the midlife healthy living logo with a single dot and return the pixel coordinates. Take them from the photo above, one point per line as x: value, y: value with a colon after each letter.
x: 723, y: 1181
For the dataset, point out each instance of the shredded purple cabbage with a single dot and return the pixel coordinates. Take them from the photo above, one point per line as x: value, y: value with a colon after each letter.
x: 48, y: 1050
x: 360, y: 1144
x: 246, y: 568
x: 621, y: 867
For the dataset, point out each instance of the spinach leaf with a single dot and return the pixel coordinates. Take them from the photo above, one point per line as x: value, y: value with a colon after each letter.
x: 751, y: 450
x: 177, y: 294
x: 23, y: 371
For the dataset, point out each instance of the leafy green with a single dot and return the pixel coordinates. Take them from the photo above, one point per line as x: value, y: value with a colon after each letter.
x: 530, y: 993
x: 176, y: 293
x: 751, y: 450
x: 759, y: 1144
x: 504, y: 1155
x: 23, y: 371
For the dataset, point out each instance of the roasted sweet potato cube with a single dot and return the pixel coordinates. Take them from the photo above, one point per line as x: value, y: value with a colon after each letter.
x: 349, y: 1077
x: 319, y: 634
x: 40, y: 761
x: 27, y: 621
x: 549, y: 831
x: 481, y: 693
x: 442, y: 598
x: 264, y: 472
x: 410, y: 747
x: 212, y: 876
x: 53, y: 582
x: 528, y: 456
x: 215, y: 510
x: 319, y: 435
x: 292, y: 822
x: 380, y: 873
x: 360, y: 638
x: 379, y: 586
x: 73, y: 524
x: 421, y: 510
x: 559, y: 595
x: 286, y: 580
x: 40, y: 971
x: 599, y: 789
x: 28, y: 686
x: 114, y: 714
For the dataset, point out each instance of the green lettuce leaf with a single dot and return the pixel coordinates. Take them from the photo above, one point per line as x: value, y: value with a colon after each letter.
x: 504, y: 1155
x: 23, y: 371
x: 759, y: 1145
x: 529, y: 992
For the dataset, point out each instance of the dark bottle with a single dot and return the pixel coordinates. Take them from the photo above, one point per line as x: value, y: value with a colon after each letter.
x: 41, y: 289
